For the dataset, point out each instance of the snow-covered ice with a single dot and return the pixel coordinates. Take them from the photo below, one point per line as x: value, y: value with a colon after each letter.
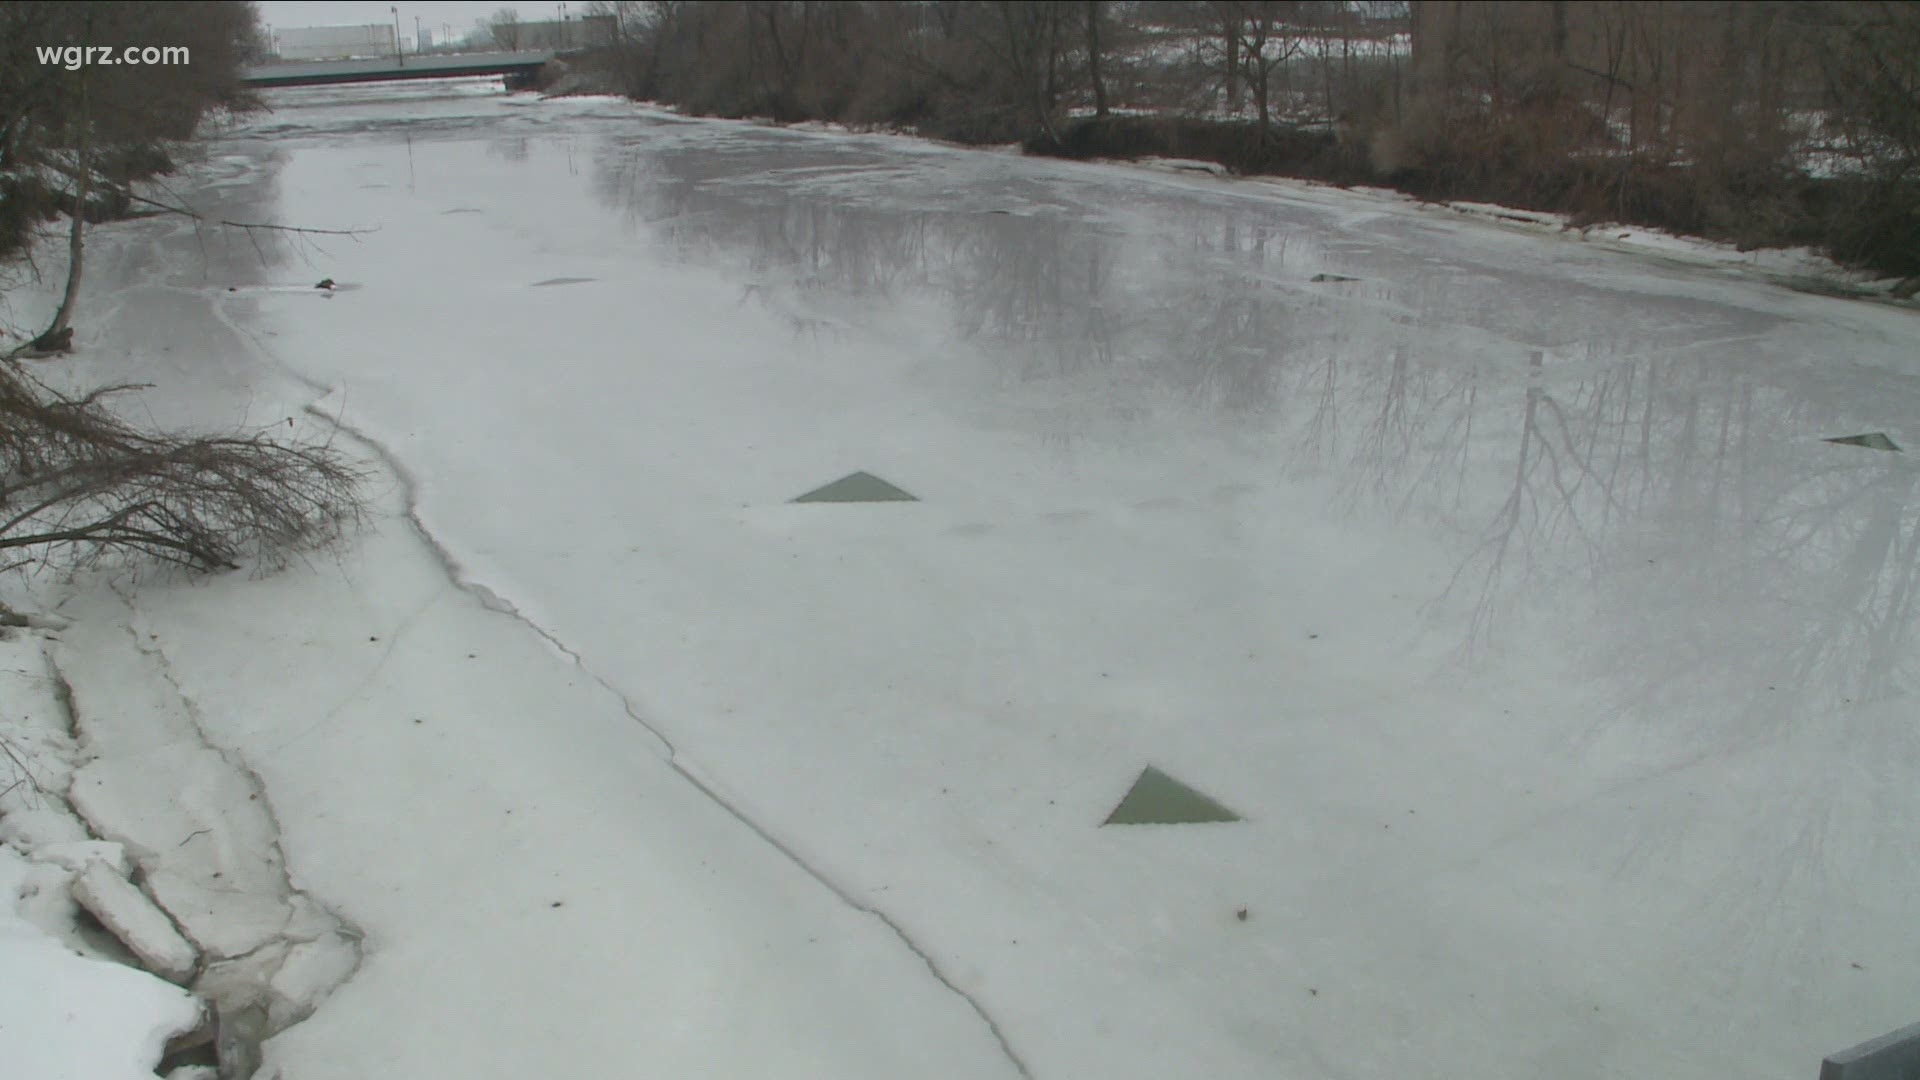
x: 1502, y: 583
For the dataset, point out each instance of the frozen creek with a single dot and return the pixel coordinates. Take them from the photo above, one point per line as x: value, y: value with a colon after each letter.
x: 1507, y: 590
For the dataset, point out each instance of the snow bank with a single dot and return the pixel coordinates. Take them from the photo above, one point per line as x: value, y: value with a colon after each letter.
x: 66, y: 1017
x: 63, y: 1015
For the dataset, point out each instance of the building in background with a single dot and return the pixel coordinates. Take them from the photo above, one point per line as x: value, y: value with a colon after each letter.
x: 574, y: 32
x: 334, y: 42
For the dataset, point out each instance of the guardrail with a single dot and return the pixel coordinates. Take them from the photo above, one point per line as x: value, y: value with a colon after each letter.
x: 1889, y: 1057
x: 389, y: 68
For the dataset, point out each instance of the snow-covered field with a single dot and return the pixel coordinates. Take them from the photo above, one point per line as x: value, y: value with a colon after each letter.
x: 1502, y: 582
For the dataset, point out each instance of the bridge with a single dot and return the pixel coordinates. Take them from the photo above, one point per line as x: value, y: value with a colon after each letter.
x: 520, y: 68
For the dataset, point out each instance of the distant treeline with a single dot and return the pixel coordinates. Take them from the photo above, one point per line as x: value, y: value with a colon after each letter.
x: 1754, y: 121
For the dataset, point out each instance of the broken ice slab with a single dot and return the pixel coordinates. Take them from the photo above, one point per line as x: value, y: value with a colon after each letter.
x: 1159, y: 799
x: 857, y: 487
x: 1872, y: 440
x: 138, y: 922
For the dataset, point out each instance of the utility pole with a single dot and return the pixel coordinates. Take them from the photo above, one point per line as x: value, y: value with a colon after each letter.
x: 399, y: 56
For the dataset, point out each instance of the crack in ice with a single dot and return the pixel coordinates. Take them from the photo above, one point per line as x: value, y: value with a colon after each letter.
x: 456, y: 574
x: 276, y: 857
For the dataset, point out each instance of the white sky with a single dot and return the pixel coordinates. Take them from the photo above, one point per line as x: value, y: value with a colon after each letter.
x: 460, y: 15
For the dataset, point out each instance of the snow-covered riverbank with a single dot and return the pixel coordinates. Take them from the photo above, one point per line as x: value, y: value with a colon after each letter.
x: 116, y: 805
x: 69, y: 1010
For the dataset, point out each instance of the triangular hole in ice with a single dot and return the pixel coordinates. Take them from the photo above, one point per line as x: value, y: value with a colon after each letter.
x: 1872, y: 440
x: 1159, y: 799
x: 857, y: 487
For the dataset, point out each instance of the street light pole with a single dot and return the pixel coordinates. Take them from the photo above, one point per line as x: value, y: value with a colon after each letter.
x: 398, y: 56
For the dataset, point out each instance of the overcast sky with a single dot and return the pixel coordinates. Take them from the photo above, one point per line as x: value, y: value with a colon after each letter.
x: 460, y: 15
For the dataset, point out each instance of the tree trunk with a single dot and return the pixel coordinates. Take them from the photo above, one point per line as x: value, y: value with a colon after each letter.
x: 783, y: 67
x: 1231, y: 30
x: 59, y: 334
x: 1259, y: 74
x: 1093, y: 57
x: 1260, y: 100
x: 663, y: 38
x: 1053, y: 58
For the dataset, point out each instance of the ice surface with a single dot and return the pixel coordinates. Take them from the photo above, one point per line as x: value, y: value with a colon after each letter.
x: 1507, y: 590
x: 193, y: 822
x: 200, y: 830
x: 537, y: 885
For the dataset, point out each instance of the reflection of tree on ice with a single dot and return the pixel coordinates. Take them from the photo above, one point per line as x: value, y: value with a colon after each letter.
x: 1649, y: 459
x: 1634, y: 443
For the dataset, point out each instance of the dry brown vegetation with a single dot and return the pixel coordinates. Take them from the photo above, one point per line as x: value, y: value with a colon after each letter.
x: 1762, y: 122
x: 78, y: 482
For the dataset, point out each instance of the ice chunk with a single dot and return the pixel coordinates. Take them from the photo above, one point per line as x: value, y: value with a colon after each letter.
x: 140, y: 925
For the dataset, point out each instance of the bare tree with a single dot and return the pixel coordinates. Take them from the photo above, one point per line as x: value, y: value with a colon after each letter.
x: 504, y: 25
x: 1228, y: 18
x: 1269, y: 34
x: 77, y: 483
x: 1869, y: 63
x: 59, y: 333
x: 1694, y: 117
x: 100, y: 128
